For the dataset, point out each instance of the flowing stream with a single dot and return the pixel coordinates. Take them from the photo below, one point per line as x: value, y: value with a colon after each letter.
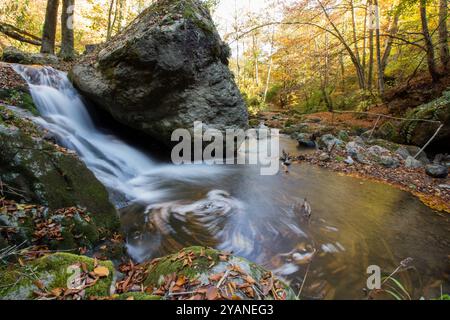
x: 354, y: 224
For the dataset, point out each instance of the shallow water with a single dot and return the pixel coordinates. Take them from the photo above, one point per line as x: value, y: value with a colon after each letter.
x: 354, y: 223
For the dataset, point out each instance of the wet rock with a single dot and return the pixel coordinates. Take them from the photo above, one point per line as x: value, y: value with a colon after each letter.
x: 305, y: 140
x: 410, y: 162
x: 50, y: 276
x: 14, y: 55
x: 166, y: 70
x: 436, y: 171
x: 49, y: 175
x: 389, y: 162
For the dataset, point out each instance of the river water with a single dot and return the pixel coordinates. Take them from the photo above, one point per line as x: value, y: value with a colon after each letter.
x: 354, y: 223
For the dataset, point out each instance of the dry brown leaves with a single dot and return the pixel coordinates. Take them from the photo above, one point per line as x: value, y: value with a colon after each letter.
x: 77, y: 290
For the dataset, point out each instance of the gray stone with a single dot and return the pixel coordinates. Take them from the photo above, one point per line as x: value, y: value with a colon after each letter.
x: 353, y: 149
x: 410, y: 162
x: 403, y: 152
x: 166, y: 70
x: 14, y: 55
x: 378, y: 151
x: 389, y: 162
x: 436, y: 171
x: 304, y: 140
x: 328, y: 141
x: 349, y: 160
x: 324, y: 156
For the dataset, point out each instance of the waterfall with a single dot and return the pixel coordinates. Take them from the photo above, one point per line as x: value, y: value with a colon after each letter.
x: 123, y: 169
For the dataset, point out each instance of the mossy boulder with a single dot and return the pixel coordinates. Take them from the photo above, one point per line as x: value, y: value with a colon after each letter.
x: 418, y: 133
x: 166, y: 70
x: 63, y: 229
x: 19, y: 97
x: 49, y: 276
x: 199, y: 269
x: 47, y: 174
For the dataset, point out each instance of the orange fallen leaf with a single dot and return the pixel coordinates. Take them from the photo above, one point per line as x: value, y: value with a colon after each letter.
x: 212, y: 293
x: 101, y: 271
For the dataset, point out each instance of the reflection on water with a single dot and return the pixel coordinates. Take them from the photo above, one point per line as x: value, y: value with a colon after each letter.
x: 354, y: 224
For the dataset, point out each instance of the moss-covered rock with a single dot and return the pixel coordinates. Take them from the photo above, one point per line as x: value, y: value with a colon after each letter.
x: 203, y: 268
x: 19, y: 97
x: 166, y: 70
x: 418, y: 133
x: 63, y: 229
x: 50, y: 275
x: 49, y: 175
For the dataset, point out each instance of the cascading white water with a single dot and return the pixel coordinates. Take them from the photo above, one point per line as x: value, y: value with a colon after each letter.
x: 121, y: 168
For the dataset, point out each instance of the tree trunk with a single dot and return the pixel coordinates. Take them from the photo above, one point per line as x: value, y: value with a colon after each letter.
x: 269, y: 71
x: 428, y: 42
x: 371, y: 51
x: 355, y: 40
x: 67, y: 25
x: 109, y: 29
x: 393, y: 30
x: 379, y: 62
x: 49, y: 31
x: 19, y: 35
x: 443, y: 36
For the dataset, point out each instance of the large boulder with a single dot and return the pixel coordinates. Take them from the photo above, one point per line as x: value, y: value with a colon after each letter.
x: 166, y: 70
x: 204, y: 273
x: 60, y: 276
x: 418, y: 133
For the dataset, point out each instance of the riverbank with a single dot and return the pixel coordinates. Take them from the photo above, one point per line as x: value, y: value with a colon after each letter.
x: 435, y: 193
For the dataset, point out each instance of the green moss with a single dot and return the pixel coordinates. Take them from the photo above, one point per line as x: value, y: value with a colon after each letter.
x: 52, y: 271
x: 202, y: 267
x: 170, y: 264
x: 20, y: 98
x: 137, y: 296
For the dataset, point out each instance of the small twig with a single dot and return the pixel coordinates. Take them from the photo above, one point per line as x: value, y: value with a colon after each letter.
x: 304, y: 280
x: 223, y: 279
x: 180, y: 293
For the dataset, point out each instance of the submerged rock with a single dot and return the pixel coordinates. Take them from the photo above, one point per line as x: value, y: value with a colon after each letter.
x: 436, y: 171
x: 166, y: 70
